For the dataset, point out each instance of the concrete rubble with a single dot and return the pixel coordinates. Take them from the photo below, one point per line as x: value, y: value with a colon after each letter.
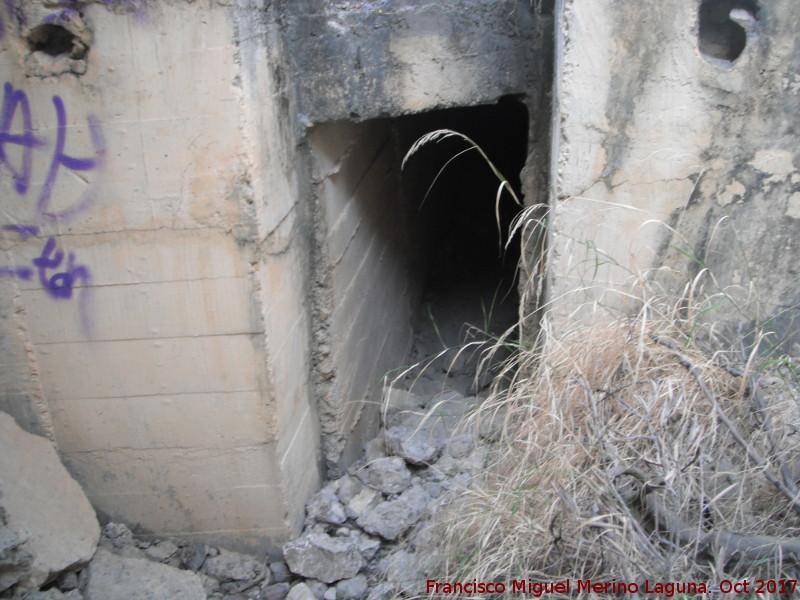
x: 348, y: 549
x: 46, y: 523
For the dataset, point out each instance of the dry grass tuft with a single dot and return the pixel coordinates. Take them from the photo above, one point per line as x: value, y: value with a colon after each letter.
x: 628, y: 453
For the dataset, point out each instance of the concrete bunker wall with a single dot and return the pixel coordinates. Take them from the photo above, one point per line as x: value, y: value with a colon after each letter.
x: 676, y: 152
x: 164, y: 227
x: 148, y: 296
x: 374, y: 80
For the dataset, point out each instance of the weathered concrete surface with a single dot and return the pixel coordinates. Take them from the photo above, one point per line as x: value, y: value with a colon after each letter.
x: 42, y: 506
x: 360, y: 59
x: 366, y: 305
x: 665, y: 156
x: 152, y: 270
x: 174, y: 268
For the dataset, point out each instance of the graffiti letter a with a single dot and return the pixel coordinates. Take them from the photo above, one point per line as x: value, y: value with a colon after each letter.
x: 12, y: 100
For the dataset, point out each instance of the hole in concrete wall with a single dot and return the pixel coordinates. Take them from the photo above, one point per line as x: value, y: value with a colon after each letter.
x: 467, y: 276
x: 724, y: 27
x: 53, y: 40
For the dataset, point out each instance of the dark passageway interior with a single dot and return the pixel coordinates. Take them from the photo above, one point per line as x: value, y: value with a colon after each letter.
x: 458, y: 229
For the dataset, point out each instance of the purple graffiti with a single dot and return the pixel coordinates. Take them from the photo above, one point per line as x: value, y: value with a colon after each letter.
x: 62, y: 17
x: 61, y: 284
x: 17, y: 100
x: 25, y: 231
x: 9, y: 7
x: 58, y: 271
x: 75, y: 164
x: 21, y: 273
x: 13, y: 99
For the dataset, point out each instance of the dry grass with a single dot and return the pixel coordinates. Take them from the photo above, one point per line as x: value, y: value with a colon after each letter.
x: 632, y: 449
x: 630, y: 454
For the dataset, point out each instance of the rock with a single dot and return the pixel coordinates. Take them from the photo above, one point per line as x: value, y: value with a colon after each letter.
x: 365, y: 500
x: 382, y: 591
x: 395, y: 399
x: 317, y: 588
x: 368, y: 545
x: 375, y: 448
x: 438, y: 427
x: 300, y: 591
x: 280, y: 572
x: 392, y: 518
x: 490, y: 425
x: 67, y: 581
x: 389, y: 519
x: 400, y: 570
x: 322, y: 557
x: 195, y: 555
x: 330, y: 594
x: 448, y: 402
x: 415, y: 446
x: 387, y: 475
x: 117, y: 530
x: 449, y: 467
x: 461, y: 445
x: 118, y: 538
x: 432, y: 488
x: 51, y: 594
x: 44, y: 507
x: 112, y: 577
x: 123, y: 546
x: 276, y: 591
x: 351, y: 589
x: 349, y: 487
x: 325, y: 507
x: 161, y: 551
x: 235, y: 566
x: 209, y: 583
x: 15, y: 563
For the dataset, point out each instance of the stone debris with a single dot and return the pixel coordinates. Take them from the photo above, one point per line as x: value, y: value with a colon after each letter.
x: 347, y: 551
x: 364, y: 500
x: 300, y: 591
x: 351, y: 589
x: 276, y: 591
x: 392, y: 518
x: 403, y: 477
x: 230, y: 566
x: 15, y: 562
x: 416, y: 446
x: 319, y: 556
x: 280, y: 572
x: 395, y: 399
x: 49, y: 525
x: 326, y: 508
x: 388, y: 475
x: 162, y: 552
x: 53, y: 594
x: 114, y: 577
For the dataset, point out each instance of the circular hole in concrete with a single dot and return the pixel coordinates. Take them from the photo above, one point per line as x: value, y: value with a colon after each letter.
x: 724, y: 26
x: 51, y: 39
